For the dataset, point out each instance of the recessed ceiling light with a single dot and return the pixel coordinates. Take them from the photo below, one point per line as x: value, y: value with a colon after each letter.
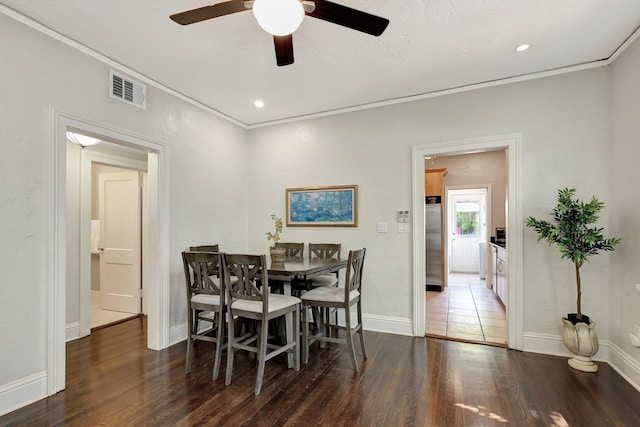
x: 522, y: 48
x: 258, y: 103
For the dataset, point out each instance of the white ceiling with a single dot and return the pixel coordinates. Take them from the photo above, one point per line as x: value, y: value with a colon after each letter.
x: 228, y: 62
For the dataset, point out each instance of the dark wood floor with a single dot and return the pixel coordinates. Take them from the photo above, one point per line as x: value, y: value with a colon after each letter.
x: 113, y: 380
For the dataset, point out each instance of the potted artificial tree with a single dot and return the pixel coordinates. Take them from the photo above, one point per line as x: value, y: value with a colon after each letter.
x: 577, y: 239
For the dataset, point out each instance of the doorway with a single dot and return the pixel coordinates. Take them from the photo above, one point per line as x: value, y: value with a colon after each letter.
x: 510, y: 146
x: 104, y: 160
x: 467, y: 309
x: 157, y: 253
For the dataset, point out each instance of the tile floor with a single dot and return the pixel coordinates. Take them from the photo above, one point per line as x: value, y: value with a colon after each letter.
x: 466, y: 310
x: 100, y: 317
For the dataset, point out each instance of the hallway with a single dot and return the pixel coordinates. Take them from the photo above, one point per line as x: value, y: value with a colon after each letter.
x: 103, y: 318
x: 466, y: 310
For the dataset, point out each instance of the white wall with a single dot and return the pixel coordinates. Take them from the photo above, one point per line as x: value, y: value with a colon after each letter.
x: 208, y: 161
x: 564, y: 124
x: 624, y: 304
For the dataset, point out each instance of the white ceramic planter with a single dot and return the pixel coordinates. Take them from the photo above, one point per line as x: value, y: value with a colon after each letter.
x: 581, y: 340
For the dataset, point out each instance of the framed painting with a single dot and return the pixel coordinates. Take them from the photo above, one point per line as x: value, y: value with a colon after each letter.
x: 335, y: 206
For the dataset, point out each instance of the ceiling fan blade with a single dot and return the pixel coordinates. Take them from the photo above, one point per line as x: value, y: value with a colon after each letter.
x: 284, y: 49
x: 348, y: 17
x: 208, y: 12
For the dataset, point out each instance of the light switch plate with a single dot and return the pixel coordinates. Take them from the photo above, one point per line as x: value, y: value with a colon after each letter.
x: 403, y: 216
x: 403, y: 228
x: 381, y: 227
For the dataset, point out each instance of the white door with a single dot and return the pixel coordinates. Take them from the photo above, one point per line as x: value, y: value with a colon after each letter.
x: 467, y: 228
x: 120, y: 260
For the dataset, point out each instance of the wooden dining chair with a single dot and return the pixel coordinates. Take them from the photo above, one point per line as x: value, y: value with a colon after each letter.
x: 249, y: 297
x: 207, y: 316
x: 205, y: 301
x: 340, y: 298
x: 324, y: 251
x: 292, y: 250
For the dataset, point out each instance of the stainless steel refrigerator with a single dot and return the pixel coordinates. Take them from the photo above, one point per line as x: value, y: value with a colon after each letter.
x: 433, y: 238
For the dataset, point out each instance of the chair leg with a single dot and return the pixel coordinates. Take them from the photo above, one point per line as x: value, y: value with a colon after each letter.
x: 189, y: 342
x: 364, y: 348
x: 289, y: 334
x: 262, y: 354
x: 327, y: 321
x: 352, y: 350
x: 296, y: 336
x: 318, y: 320
x: 305, y: 334
x: 230, y: 349
x: 219, y: 338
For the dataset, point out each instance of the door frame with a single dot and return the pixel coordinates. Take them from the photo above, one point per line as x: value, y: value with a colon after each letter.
x: 512, y: 143
x: 158, y: 237
x: 88, y: 158
x: 447, y: 195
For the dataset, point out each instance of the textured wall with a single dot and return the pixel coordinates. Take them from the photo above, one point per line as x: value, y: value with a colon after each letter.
x: 624, y: 205
x: 207, y: 155
x: 564, y: 125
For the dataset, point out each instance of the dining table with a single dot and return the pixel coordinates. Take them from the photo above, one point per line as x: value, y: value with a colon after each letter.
x: 302, y: 268
x: 299, y: 269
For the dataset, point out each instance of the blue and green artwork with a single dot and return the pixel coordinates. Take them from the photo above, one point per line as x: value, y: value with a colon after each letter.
x: 333, y: 206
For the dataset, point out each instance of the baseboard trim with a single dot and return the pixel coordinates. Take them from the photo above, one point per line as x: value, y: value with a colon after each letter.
x: 72, y: 331
x: 625, y: 365
x: 23, y: 392
x: 387, y: 324
x: 178, y: 333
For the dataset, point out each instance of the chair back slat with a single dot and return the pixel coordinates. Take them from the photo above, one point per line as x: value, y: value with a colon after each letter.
x: 205, y: 248
x: 324, y: 250
x: 355, y: 263
x: 252, y: 279
x: 198, y: 267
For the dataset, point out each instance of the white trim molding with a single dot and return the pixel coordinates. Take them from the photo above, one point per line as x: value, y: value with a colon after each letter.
x: 512, y: 143
x: 23, y: 392
x: 72, y: 331
x: 387, y: 324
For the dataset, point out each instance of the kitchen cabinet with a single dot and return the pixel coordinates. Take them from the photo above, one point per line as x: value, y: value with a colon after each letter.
x: 434, y: 182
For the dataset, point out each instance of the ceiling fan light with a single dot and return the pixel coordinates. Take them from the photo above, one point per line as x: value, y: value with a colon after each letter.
x: 278, y: 17
x: 82, y: 140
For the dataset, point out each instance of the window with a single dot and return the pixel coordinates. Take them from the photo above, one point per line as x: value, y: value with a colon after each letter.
x: 467, y: 218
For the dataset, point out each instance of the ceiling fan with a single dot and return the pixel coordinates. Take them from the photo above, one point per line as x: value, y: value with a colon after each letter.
x: 282, y: 17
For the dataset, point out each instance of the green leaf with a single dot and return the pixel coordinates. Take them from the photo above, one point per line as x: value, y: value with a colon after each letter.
x: 572, y: 230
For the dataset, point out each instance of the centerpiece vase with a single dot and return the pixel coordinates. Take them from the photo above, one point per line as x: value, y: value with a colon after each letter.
x: 277, y: 255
